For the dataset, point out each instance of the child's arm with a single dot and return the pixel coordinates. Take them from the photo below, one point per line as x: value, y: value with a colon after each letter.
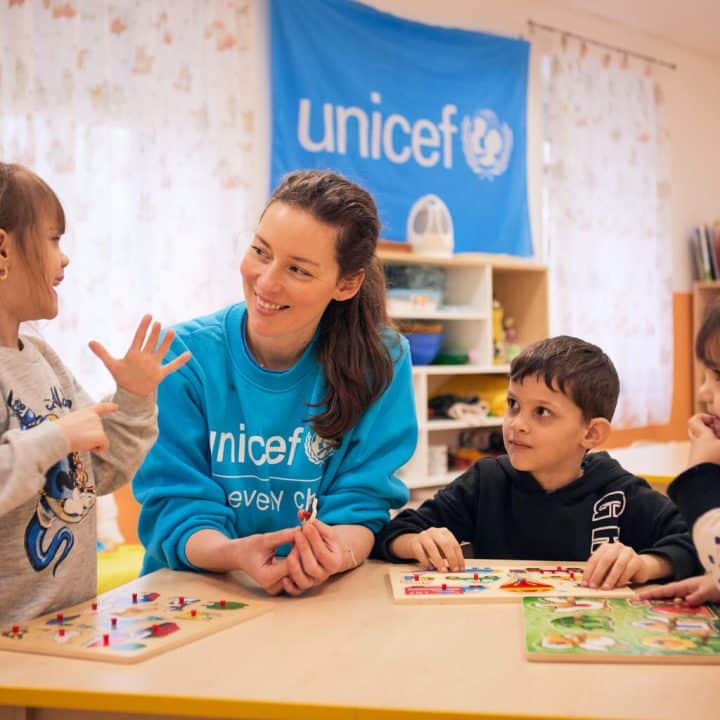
x: 435, y: 547
x: 704, y: 588
x: 697, y: 490
x: 654, y: 544
x: 23, y: 462
x: 694, y: 591
x: 443, y: 522
x: 26, y: 455
x: 615, y: 565
x: 133, y: 429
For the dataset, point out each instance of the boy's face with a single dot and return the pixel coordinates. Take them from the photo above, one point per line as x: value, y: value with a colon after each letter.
x: 544, y: 433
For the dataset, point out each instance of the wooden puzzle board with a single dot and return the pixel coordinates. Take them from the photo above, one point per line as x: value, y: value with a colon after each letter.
x: 494, y: 581
x: 136, y: 621
x: 612, y: 630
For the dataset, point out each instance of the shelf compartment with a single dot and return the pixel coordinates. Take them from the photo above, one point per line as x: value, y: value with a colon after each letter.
x: 461, y: 369
x: 451, y: 424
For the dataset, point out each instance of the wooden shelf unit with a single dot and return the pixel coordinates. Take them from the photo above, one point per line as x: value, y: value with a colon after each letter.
x: 472, y: 281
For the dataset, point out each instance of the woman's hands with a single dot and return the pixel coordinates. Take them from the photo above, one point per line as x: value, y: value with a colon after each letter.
x: 141, y: 370
x: 318, y: 551
x: 316, y: 555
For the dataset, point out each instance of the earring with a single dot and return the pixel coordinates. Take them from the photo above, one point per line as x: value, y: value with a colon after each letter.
x: 4, y: 272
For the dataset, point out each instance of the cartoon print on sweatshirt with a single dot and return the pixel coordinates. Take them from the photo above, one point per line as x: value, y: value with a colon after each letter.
x: 66, y: 497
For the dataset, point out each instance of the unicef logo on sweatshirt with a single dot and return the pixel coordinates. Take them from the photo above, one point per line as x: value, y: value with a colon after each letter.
x: 487, y: 144
x: 317, y: 449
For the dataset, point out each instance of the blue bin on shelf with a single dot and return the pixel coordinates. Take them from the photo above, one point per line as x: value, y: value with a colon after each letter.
x: 424, y: 347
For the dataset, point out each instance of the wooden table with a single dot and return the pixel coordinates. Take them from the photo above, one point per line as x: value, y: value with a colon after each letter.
x: 346, y: 651
x: 658, y: 463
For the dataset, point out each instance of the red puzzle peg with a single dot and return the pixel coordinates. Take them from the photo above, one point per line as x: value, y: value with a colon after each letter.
x: 94, y: 607
x: 60, y: 618
x: 193, y: 612
x: 61, y: 632
x: 155, y: 629
x: 476, y: 576
x: 181, y: 600
x: 106, y: 640
x: 444, y: 586
x: 134, y: 597
x: 113, y: 622
x: 222, y: 604
x: 416, y: 578
x: 15, y: 629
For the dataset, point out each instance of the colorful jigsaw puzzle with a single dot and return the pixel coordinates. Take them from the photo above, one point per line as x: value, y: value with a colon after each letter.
x: 586, y: 629
x: 137, y: 621
x: 496, y: 581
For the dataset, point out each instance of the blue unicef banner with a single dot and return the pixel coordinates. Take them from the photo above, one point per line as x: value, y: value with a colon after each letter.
x: 406, y: 110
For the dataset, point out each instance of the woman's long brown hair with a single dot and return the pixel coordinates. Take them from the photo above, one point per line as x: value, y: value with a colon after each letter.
x: 352, y: 339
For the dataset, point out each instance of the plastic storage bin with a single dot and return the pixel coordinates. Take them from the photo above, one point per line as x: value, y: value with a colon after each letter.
x: 424, y: 347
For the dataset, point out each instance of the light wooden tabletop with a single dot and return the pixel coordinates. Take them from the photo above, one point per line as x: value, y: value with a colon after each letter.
x: 346, y: 651
x: 656, y: 462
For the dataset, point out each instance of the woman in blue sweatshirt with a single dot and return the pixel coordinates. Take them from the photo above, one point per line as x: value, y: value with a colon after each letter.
x: 298, y: 398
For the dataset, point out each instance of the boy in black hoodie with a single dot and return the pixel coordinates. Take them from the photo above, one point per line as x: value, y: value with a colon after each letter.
x: 548, y: 499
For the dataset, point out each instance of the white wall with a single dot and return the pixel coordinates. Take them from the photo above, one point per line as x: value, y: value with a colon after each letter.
x: 692, y: 94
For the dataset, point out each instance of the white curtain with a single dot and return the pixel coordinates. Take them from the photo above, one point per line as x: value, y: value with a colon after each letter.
x: 606, y: 216
x: 140, y: 116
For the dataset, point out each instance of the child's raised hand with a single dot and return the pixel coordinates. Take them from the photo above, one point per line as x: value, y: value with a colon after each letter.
x: 141, y: 370
x: 84, y: 430
x: 612, y: 565
x: 435, y: 547
x: 703, y: 432
x: 694, y: 591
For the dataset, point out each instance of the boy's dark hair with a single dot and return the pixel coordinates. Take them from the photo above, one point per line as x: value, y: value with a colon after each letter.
x: 707, y: 342
x: 579, y: 369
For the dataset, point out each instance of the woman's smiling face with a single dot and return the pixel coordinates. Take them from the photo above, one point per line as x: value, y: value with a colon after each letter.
x: 290, y: 275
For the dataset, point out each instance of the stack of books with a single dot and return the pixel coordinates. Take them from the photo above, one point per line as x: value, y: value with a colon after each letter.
x: 705, y: 249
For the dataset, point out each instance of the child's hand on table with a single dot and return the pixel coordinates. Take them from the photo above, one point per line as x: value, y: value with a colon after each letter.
x: 434, y: 548
x: 615, y: 565
x: 694, y: 591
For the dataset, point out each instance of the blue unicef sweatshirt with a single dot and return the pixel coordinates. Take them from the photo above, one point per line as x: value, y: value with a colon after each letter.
x: 237, y: 454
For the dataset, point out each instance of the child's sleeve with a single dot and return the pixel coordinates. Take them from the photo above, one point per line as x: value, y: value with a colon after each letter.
x: 453, y: 507
x: 131, y: 431
x: 658, y: 527
x: 25, y: 457
x: 365, y: 487
x: 706, y: 535
x: 178, y: 496
x: 696, y: 491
